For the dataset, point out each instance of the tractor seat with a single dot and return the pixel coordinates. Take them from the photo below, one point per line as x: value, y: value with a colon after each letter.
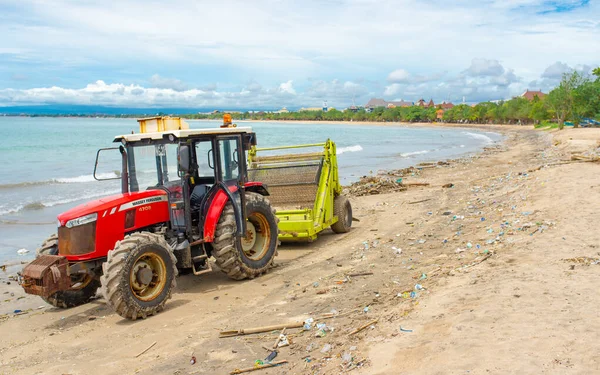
x: 197, y: 194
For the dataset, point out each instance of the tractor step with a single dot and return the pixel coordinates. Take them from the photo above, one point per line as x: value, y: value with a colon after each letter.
x: 207, y: 268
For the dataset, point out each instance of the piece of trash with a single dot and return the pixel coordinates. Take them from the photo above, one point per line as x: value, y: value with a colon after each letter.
x: 22, y: 251
x: 283, y: 341
x: 447, y: 213
x: 366, y: 309
x: 326, y: 348
x: 399, y: 181
x: 490, y: 230
x: 422, y: 241
x: 374, y: 243
x: 483, y: 219
x: 446, y: 186
x: 396, y: 250
x: 193, y: 360
x: 469, y: 245
x: 459, y: 250
x: 366, y: 245
x: 405, y: 330
x: 423, y: 277
x: 257, y: 363
x: 413, y: 295
x: 419, y: 287
x: 321, y: 333
x: 308, y: 324
x: 316, y: 284
x: 347, y: 358
x: 17, y: 311
x: 271, y: 356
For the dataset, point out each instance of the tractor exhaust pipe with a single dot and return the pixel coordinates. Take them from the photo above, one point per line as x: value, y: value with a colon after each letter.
x: 124, y: 173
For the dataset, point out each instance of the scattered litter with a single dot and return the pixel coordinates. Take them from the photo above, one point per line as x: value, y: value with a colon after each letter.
x: 419, y: 287
x: 366, y: 309
x: 193, y: 360
x: 347, y: 358
x: 446, y: 186
x: 423, y: 276
x: 316, y: 284
x: 271, y: 356
x: 396, y: 250
x: 22, y: 251
x: 360, y: 274
x: 405, y: 330
x: 326, y: 348
x: 308, y: 324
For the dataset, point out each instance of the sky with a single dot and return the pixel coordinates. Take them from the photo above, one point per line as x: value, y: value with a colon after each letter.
x: 275, y: 53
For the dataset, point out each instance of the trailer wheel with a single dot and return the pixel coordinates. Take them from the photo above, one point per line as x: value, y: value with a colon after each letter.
x: 83, y: 287
x: 343, y: 210
x: 139, y: 275
x: 252, y: 255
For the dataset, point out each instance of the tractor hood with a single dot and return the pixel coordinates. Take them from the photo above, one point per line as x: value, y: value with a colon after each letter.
x: 112, y: 204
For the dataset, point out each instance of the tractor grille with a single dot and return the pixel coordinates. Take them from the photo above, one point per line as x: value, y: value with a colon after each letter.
x: 77, y: 240
x: 291, y: 185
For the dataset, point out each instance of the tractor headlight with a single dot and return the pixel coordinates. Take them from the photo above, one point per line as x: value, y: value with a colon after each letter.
x: 82, y: 220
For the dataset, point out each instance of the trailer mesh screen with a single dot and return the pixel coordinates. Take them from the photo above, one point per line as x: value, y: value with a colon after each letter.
x: 291, y: 185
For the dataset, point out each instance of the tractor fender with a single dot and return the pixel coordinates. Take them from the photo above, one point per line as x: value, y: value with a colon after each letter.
x: 218, y: 204
x: 257, y: 187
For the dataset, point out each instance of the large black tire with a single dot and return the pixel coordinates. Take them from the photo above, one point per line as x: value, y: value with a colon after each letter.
x: 254, y: 257
x: 84, y: 289
x: 124, y: 289
x: 343, y: 210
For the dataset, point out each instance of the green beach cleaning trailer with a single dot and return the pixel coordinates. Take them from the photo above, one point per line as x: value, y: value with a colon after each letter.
x: 304, y: 187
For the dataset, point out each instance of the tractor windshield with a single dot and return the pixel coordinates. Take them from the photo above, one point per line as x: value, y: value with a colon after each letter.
x: 152, y: 166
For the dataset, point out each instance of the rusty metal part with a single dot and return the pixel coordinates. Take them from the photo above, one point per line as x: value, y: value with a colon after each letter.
x: 77, y: 240
x: 46, y: 275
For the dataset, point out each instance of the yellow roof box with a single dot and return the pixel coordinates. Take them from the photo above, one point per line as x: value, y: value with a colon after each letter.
x: 161, y: 124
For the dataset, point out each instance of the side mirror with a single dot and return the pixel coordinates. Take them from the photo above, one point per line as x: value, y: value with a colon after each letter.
x: 184, y: 158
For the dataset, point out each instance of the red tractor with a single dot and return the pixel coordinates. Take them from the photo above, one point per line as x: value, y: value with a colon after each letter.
x: 185, y: 197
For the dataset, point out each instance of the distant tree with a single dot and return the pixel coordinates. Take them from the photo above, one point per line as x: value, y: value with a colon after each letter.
x: 562, y: 100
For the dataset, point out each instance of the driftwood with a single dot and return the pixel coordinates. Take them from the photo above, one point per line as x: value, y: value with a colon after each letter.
x: 421, y: 201
x: 249, y: 331
x: 258, y: 367
x: 145, y: 350
x: 363, y: 327
x: 360, y: 274
x: 415, y: 183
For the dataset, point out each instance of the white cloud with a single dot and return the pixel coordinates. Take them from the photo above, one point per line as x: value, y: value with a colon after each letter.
x: 167, y: 83
x: 485, y: 68
x: 287, y: 87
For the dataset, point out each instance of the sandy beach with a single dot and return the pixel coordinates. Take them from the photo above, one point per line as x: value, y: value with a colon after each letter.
x: 494, y: 275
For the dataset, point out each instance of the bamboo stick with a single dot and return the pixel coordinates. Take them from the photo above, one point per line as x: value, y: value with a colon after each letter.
x: 258, y: 367
x: 363, y: 327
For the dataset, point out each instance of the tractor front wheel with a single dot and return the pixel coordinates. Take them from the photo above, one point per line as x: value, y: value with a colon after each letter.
x: 343, y: 210
x: 253, y: 254
x: 83, y: 287
x: 139, y: 275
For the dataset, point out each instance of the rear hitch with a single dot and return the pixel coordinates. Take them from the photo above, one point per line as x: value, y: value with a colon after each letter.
x: 46, y: 275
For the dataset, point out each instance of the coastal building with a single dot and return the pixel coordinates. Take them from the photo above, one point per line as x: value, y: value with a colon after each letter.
x: 381, y: 103
x: 283, y: 110
x: 530, y: 95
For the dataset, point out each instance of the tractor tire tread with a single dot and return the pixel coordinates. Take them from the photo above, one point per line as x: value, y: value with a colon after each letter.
x: 112, y: 288
x: 225, y: 251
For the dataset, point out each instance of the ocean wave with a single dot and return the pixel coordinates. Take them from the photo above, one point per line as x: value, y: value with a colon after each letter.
x: 39, y: 205
x: 61, y: 180
x: 481, y: 137
x: 414, y: 153
x: 355, y: 148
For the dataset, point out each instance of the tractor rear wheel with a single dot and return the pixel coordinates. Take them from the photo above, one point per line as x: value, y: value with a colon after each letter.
x: 83, y: 287
x: 139, y: 275
x: 252, y: 255
x: 343, y: 210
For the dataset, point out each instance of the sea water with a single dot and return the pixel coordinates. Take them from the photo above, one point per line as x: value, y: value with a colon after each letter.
x: 47, y: 163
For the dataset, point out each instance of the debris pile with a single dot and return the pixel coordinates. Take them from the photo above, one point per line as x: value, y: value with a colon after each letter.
x: 370, y: 185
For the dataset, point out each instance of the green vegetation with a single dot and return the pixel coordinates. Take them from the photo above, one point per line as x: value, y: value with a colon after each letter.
x: 575, y: 98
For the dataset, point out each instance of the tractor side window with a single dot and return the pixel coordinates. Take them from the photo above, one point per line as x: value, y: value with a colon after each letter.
x: 204, y: 159
x: 228, y: 151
